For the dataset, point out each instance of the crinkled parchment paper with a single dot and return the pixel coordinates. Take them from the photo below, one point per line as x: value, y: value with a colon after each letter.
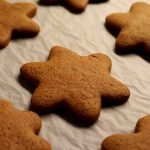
x: 85, y: 34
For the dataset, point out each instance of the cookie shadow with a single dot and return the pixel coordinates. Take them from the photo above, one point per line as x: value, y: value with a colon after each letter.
x: 97, y: 1
x: 138, y: 50
x: 16, y: 36
x: 64, y: 113
x: 23, y: 35
x: 26, y: 85
x: 111, y: 102
x: 68, y: 7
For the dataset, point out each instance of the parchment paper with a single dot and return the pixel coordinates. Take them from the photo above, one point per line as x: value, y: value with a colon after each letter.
x: 85, y: 34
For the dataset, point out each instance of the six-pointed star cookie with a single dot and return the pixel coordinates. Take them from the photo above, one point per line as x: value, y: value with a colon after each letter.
x: 77, y: 82
x: 15, y: 18
x: 134, y: 28
x: 18, y: 129
x: 137, y: 141
x: 74, y: 5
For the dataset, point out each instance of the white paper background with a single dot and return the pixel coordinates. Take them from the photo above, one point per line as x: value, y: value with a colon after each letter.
x: 85, y: 34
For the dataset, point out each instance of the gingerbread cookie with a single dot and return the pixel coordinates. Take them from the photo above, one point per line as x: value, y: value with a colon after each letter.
x: 15, y: 18
x: 18, y: 129
x: 74, y: 5
x: 77, y: 82
x: 136, y: 141
x: 133, y: 27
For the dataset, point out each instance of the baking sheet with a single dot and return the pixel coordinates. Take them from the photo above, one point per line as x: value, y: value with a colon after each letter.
x: 85, y: 34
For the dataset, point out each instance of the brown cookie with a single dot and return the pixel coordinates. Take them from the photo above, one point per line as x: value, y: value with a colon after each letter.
x: 78, y: 82
x: 136, y: 141
x: 78, y: 5
x: 133, y: 27
x: 18, y: 129
x: 75, y: 5
x: 15, y: 18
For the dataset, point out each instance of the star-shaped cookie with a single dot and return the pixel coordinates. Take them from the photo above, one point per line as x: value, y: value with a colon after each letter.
x: 134, y: 28
x: 136, y: 141
x: 78, y: 82
x: 15, y: 20
x: 18, y: 129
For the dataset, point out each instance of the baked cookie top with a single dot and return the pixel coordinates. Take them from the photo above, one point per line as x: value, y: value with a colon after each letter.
x: 135, y: 141
x: 15, y: 18
x: 18, y: 129
x: 73, y: 5
x: 133, y: 27
x: 78, y: 82
x: 79, y: 5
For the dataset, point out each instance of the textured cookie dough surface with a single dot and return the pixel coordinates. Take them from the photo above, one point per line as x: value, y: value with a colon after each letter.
x: 18, y: 129
x: 133, y: 27
x: 75, y: 5
x: 136, y: 141
x: 78, y: 82
x: 15, y: 20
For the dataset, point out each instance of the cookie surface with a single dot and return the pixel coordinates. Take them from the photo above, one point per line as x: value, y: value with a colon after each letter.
x: 18, y: 129
x: 75, y: 5
x: 136, y: 141
x: 15, y: 20
x: 77, y: 82
x: 133, y: 27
